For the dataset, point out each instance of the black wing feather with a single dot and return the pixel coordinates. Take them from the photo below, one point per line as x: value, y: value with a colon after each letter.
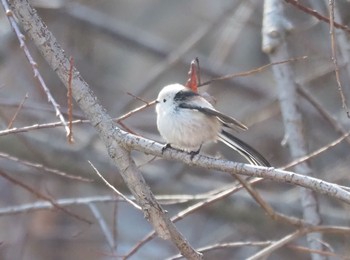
x: 226, y: 120
x: 249, y: 153
x: 243, y: 149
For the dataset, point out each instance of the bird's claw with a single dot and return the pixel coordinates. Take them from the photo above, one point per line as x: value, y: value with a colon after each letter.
x: 166, y: 147
x: 193, y: 153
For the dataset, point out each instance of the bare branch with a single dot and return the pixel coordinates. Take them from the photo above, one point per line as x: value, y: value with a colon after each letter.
x: 216, y: 197
x: 326, y: 115
x: 316, y: 153
x: 103, y: 225
x: 252, y: 71
x: 43, y: 168
x: 283, y: 241
x: 153, y: 148
x: 165, y: 200
x: 17, y: 111
x: 70, y: 101
x: 34, y: 65
x: 42, y: 196
x: 334, y: 57
x: 37, y: 127
x: 267, y: 208
x: 324, y: 229
x: 114, y: 189
x: 226, y: 245
x: 317, y: 15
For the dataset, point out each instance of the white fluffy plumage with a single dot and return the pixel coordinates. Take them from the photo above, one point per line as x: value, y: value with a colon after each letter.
x: 186, y: 120
x: 185, y: 129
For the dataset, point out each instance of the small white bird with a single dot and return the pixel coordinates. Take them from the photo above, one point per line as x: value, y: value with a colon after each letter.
x: 186, y: 120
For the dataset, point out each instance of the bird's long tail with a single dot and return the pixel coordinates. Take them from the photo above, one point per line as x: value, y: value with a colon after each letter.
x: 249, y: 153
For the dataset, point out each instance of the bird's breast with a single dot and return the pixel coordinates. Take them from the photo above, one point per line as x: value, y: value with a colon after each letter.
x: 187, y: 129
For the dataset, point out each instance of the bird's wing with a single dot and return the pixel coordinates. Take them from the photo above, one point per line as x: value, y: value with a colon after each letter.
x: 226, y: 120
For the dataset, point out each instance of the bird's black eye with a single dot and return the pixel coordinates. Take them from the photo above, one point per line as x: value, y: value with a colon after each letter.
x: 164, y: 100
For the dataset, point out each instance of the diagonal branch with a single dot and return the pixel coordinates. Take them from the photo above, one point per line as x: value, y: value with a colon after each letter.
x: 43, y: 168
x: 34, y: 65
x: 42, y: 196
x: 87, y: 101
x: 317, y: 15
x: 334, y: 57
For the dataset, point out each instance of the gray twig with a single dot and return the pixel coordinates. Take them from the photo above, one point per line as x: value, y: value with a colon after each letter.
x: 21, y: 39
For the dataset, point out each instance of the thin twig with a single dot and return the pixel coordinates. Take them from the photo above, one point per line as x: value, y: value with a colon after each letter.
x: 164, y: 199
x: 115, y: 227
x: 43, y: 168
x: 38, y: 126
x: 325, y: 114
x: 315, y: 153
x: 138, y: 109
x: 241, y: 74
x: 138, y: 98
x: 334, y: 57
x: 146, y: 105
x: 122, y: 124
x: 252, y: 71
x: 21, y: 39
x: 311, y: 229
x: 134, y: 36
x: 267, y: 208
x: 114, y: 189
x: 103, y: 225
x: 70, y: 101
x: 181, y: 50
x: 325, y: 253
x: 180, y: 215
x: 317, y: 15
x: 273, y: 245
x: 42, y: 196
x: 17, y: 111
x: 45, y: 205
x: 277, y: 244
x: 226, y: 245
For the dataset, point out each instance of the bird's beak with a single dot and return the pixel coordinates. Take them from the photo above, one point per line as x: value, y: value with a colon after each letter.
x: 157, y: 102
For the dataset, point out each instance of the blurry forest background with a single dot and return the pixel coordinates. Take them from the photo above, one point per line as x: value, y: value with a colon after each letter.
x: 137, y: 47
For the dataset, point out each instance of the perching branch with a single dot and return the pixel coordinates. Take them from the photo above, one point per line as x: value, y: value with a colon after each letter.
x: 153, y: 148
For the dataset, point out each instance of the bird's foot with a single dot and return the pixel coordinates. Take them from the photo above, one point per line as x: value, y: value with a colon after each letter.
x: 166, y: 147
x: 193, y: 153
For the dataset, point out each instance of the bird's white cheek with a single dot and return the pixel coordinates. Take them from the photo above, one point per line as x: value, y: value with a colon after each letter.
x: 165, y: 123
x: 158, y: 109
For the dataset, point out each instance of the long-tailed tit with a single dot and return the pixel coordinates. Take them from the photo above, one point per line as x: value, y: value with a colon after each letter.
x: 186, y: 120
